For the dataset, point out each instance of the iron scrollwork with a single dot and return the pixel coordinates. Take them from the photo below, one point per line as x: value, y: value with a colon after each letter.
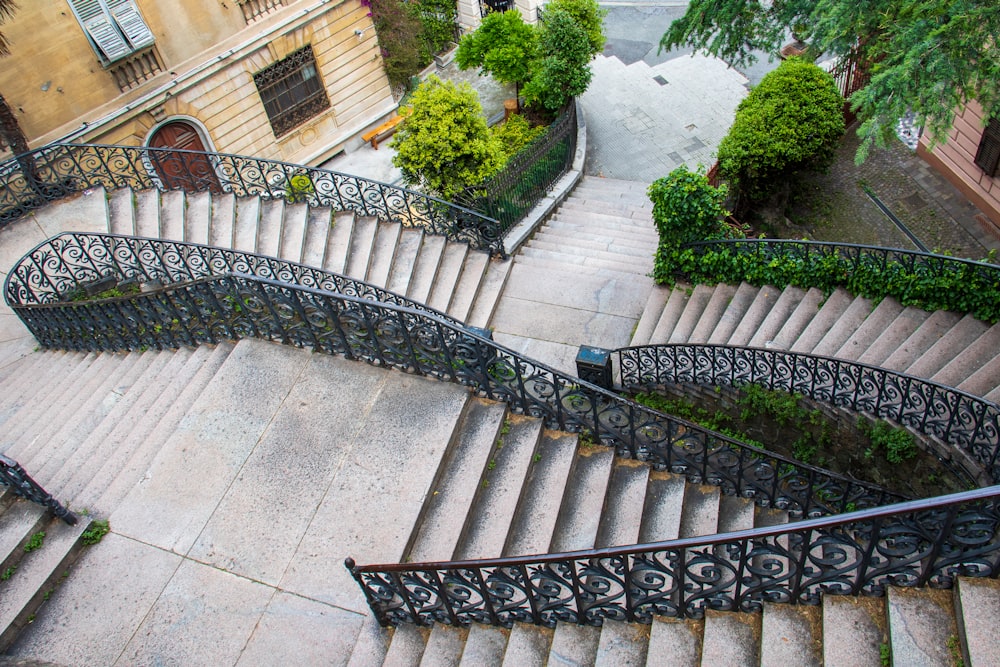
x: 14, y: 477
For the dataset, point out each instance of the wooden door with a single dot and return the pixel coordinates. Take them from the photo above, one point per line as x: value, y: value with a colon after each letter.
x: 182, y: 171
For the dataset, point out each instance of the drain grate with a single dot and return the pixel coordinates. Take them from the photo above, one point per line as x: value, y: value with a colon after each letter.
x: 660, y: 80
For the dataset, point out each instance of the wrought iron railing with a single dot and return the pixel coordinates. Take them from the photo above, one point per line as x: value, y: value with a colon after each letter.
x: 924, y: 542
x: 14, y: 477
x: 69, y: 265
x: 64, y: 169
x: 969, y: 423
x: 913, y: 278
x: 509, y: 195
x: 236, y: 305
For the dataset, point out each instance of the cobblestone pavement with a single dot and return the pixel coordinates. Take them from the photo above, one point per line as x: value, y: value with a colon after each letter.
x: 930, y: 207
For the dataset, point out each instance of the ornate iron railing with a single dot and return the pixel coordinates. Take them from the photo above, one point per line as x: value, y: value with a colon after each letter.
x: 14, y: 477
x: 237, y: 305
x: 65, y: 169
x: 69, y: 265
x: 509, y: 195
x: 968, y: 423
x: 925, y: 280
x: 924, y: 542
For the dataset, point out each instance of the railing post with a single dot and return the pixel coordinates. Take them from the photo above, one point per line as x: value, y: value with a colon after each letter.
x: 593, y: 365
x: 20, y: 482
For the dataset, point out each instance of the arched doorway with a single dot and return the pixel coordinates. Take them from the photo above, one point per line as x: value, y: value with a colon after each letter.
x: 182, y: 171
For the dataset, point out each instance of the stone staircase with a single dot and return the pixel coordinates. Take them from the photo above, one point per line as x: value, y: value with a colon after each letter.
x: 944, y: 347
x: 237, y: 477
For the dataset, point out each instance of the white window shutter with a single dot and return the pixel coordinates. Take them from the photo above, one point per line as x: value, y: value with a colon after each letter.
x: 131, y: 23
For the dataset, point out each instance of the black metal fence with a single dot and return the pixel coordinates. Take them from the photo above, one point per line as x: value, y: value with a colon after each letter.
x: 231, y: 304
x: 58, y: 170
x: 925, y: 280
x: 968, y: 423
x: 925, y: 542
x: 14, y: 477
x: 509, y: 195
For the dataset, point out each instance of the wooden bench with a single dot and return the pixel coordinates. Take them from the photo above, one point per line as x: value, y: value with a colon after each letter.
x: 383, y: 131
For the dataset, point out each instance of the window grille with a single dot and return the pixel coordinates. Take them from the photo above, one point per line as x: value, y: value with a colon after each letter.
x: 487, y: 6
x: 988, y: 155
x: 115, y: 28
x: 292, y: 91
x: 254, y: 9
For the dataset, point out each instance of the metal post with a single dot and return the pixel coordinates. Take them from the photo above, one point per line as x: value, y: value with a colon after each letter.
x: 593, y: 364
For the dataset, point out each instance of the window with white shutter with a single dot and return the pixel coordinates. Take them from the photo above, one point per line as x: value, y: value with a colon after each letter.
x: 114, y: 27
x: 988, y: 155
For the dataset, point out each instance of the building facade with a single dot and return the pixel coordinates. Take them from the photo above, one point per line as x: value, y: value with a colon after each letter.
x: 291, y: 80
x: 970, y: 159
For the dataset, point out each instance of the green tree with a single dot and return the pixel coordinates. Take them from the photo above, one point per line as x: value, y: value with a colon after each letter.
x: 503, y: 46
x: 444, y: 145
x: 589, y: 16
x: 563, y: 71
x: 438, y: 20
x: 791, y: 121
x: 399, y: 31
x: 929, y: 56
x: 686, y: 209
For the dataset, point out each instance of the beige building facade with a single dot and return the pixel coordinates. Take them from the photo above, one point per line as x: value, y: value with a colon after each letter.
x: 970, y: 159
x: 291, y: 80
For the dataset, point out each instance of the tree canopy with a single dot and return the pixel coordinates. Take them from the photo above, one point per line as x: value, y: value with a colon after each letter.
x: 927, y: 56
x: 443, y: 145
x: 503, y: 46
x: 791, y: 121
x: 563, y: 71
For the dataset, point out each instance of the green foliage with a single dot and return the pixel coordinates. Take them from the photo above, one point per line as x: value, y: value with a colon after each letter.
x: 686, y: 209
x: 437, y: 18
x: 35, y: 542
x: 956, y: 286
x: 444, y: 146
x: 399, y: 29
x: 300, y: 186
x: 563, y: 70
x: 515, y: 133
x: 930, y: 56
x: 792, y: 121
x: 96, y: 532
x: 780, y: 406
x: 896, y: 444
x: 503, y: 46
x: 8, y: 573
x: 589, y: 16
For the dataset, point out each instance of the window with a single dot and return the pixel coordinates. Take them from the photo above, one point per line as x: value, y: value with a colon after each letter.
x: 291, y: 90
x: 988, y: 155
x: 114, y: 27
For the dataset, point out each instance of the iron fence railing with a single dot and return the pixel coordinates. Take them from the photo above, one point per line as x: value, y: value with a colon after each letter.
x: 236, y: 305
x: 58, y: 170
x: 14, y: 477
x: 509, y: 195
x: 924, y: 542
x: 913, y: 278
x: 968, y: 423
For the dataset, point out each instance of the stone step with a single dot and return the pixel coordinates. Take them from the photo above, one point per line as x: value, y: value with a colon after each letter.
x: 894, y: 336
x: 622, y: 644
x: 921, y: 626
x: 671, y: 313
x: 173, y: 205
x: 674, y: 642
x: 983, y: 381
x: 574, y: 645
x: 338, y: 242
x: 564, y: 238
x: 147, y: 214
x: 977, y: 602
x: 791, y: 635
x: 741, y: 302
x: 222, y: 232
x: 580, y: 513
x: 689, y: 317
x: 730, y: 638
x: 595, y: 218
x: 407, y: 251
x: 779, y: 314
x: 854, y: 630
x: 959, y: 337
x: 19, y: 520
x: 38, y: 574
x: 198, y: 217
x: 488, y: 522
x: 583, y: 207
x: 756, y: 313
x: 556, y: 264
x: 797, y: 322
x: 318, y: 224
x: 463, y: 470
x: 528, y: 646
x: 485, y: 645
x: 386, y: 242
x: 466, y: 290
x: 425, y: 269
x: 596, y: 224
x: 269, y: 227
x: 880, y: 319
x: 921, y: 340
x: 623, y: 505
x: 662, y: 508
x: 121, y: 213
x: 246, y: 223
x: 845, y: 327
x: 976, y: 356
x: 362, y: 247
x: 717, y: 305
x: 488, y: 294
x: 579, y: 254
x: 590, y: 191
x: 650, y: 315
x: 829, y: 313
x: 444, y: 646
x: 294, y: 223
x: 447, y: 276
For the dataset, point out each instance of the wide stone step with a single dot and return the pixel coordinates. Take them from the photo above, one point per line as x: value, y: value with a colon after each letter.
x: 588, y: 261
x: 269, y: 227
x: 294, y: 223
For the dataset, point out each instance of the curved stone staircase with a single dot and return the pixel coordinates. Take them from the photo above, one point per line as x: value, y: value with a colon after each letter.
x: 237, y: 477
